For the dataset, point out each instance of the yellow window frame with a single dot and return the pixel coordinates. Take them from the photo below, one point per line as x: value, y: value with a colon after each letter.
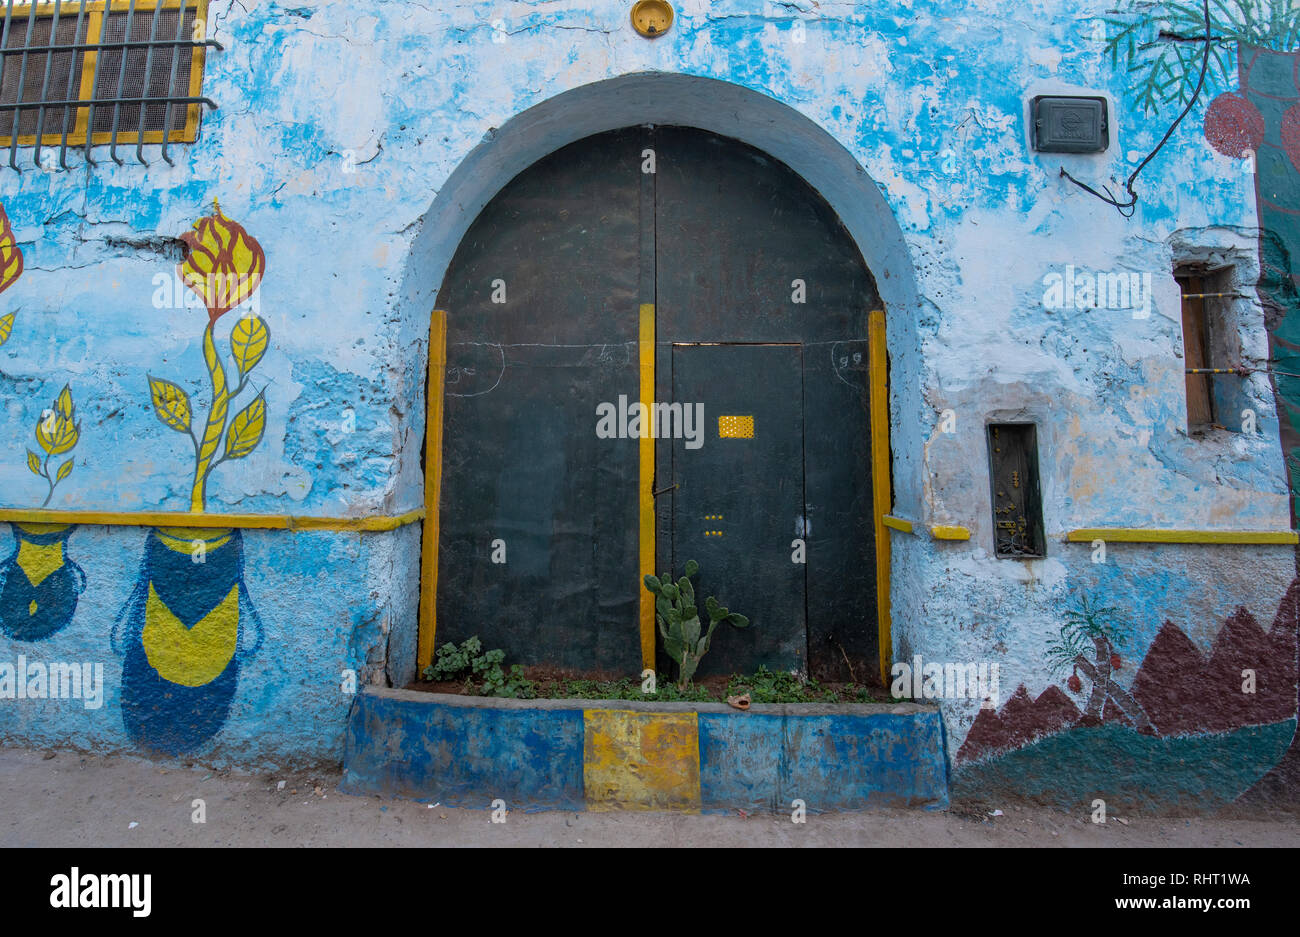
x: 95, y: 11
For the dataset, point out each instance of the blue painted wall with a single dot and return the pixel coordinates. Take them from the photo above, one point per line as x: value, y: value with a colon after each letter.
x: 340, y: 126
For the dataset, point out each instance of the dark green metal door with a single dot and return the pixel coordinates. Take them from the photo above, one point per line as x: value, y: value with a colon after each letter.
x: 738, y: 504
x: 540, y: 518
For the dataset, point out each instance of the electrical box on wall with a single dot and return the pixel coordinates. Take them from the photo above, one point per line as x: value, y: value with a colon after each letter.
x: 1070, y: 125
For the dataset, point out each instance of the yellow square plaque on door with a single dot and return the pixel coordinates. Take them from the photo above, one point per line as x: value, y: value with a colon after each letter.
x: 640, y: 760
x: 736, y: 427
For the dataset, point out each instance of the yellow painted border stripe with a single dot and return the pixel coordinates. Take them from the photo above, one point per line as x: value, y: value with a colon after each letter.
x: 432, y: 490
x: 897, y: 523
x: 185, y: 519
x: 949, y: 532
x: 879, y: 383
x: 645, y: 482
x: 1138, y: 535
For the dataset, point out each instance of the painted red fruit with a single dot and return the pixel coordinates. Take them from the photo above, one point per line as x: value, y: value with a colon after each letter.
x: 1291, y: 134
x: 1233, y: 125
x: 1074, y: 683
x: 1114, y: 662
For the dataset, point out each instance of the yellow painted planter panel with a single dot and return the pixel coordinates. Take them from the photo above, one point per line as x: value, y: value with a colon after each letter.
x: 641, y: 761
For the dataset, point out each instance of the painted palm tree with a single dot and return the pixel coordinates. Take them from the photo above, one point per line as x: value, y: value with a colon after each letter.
x: 1089, y: 643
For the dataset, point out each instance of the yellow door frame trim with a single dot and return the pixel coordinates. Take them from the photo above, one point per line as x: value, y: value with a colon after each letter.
x: 880, y: 483
x: 880, y: 479
x: 645, y: 484
x: 432, y: 490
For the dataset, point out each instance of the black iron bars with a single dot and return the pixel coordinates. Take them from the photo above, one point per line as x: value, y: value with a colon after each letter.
x: 60, y: 85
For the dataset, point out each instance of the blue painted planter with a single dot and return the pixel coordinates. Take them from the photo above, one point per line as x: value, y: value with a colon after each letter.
x: 41, y: 583
x: 182, y: 634
x: 561, y: 754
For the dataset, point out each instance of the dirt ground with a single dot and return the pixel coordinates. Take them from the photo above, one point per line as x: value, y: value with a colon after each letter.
x: 74, y: 800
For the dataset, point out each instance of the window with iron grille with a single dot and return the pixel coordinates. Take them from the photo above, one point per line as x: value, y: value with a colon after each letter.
x: 1017, y: 495
x: 102, y: 71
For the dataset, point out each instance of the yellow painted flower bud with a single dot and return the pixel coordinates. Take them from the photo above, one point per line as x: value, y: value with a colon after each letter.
x: 224, y: 264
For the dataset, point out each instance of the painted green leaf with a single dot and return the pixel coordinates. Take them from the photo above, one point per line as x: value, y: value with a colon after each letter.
x: 248, y: 342
x: 33, y: 462
x: 246, y: 429
x: 6, y: 327
x: 170, y: 403
x: 64, y: 471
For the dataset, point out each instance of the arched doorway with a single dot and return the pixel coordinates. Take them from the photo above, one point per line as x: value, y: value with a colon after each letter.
x: 673, y: 266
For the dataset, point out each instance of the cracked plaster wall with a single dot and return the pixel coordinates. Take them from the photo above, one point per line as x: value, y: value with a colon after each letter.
x: 338, y: 126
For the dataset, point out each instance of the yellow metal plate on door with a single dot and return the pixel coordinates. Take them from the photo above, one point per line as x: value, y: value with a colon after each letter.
x: 736, y: 427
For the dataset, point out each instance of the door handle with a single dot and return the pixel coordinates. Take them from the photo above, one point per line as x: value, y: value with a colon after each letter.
x: 663, y: 491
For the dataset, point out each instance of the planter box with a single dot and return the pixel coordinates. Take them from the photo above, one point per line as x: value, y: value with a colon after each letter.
x: 618, y: 754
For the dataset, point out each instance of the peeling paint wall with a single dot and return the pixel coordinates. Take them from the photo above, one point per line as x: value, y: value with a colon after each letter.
x: 338, y: 132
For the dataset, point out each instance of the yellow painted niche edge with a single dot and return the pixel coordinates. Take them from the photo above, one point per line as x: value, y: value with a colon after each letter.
x: 186, y: 519
x: 949, y: 532
x: 1138, y: 535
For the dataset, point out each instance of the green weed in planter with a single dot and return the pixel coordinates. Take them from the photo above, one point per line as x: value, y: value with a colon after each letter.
x: 679, y: 621
x: 451, y: 662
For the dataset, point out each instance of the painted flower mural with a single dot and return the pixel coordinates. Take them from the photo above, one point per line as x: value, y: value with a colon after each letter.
x: 11, y: 260
x: 57, y: 433
x: 41, y: 584
x: 11, y: 268
x: 190, y: 621
x: 224, y: 267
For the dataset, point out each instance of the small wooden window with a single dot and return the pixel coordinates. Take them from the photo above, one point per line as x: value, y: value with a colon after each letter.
x: 1197, y: 354
x: 1017, y: 499
x: 138, y: 68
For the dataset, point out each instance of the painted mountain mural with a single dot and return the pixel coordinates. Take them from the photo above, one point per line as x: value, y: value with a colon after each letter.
x: 1208, y: 728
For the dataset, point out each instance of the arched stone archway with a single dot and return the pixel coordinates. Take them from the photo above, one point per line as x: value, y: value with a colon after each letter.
x: 728, y: 110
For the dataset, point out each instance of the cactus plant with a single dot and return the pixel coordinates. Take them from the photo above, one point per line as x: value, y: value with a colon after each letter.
x: 679, y: 621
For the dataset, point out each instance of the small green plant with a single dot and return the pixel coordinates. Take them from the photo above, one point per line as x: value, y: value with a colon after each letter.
x: 679, y: 621
x: 451, y: 661
x: 470, y: 660
x: 512, y: 685
x: 779, y: 687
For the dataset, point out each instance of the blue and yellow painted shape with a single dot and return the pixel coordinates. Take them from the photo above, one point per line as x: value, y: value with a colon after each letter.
x: 189, y: 622
x: 183, y: 633
x: 573, y: 754
x: 41, y: 584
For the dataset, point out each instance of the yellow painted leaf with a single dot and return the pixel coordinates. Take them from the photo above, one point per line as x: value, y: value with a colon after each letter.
x: 171, y: 404
x: 64, y: 471
x: 248, y: 342
x: 45, y: 429
x: 246, y: 429
x: 33, y: 462
x: 65, y: 436
x: 64, y: 402
x: 6, y: 326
